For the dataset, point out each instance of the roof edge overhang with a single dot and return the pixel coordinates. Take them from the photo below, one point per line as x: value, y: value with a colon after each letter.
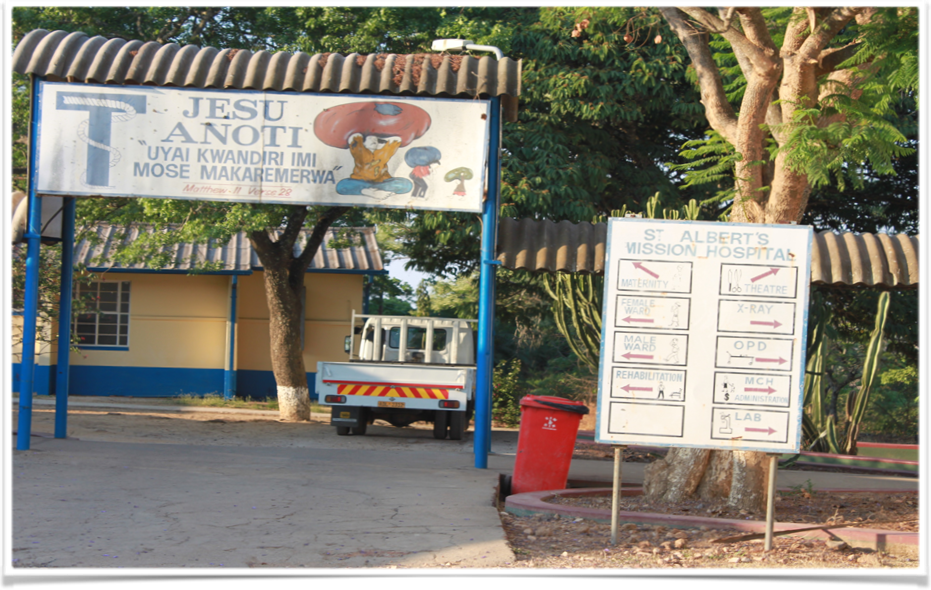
x: 76, y: 57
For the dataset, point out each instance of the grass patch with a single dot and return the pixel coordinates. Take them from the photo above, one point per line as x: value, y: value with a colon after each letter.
x: 218, y: 401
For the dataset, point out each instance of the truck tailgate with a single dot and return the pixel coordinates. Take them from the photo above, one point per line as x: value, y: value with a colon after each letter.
x: 411, y: 381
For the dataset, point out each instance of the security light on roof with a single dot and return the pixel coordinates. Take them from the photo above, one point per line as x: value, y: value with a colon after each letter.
x: 450, y: 44
x: 462, y: 45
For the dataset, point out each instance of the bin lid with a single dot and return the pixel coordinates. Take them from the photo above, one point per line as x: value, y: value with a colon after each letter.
x: 549, y: 402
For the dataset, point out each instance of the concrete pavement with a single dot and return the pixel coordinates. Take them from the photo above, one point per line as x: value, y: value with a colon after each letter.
x: 107, y: 503
x: 93, y: 504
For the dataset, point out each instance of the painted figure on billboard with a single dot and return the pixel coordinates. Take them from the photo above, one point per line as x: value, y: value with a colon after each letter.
x: 460, y: 174
x: 372, y: 132
x: 422, y: 161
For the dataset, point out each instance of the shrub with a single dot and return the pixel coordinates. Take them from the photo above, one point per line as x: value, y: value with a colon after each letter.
x: 507, y: 393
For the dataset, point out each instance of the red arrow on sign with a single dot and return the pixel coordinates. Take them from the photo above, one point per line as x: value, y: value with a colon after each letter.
x: 630, y: 355
x: 771, y: 271
x: 646, y: 270
x: 773, y: 323
x: 766, y: 430
x: 629, y: 319
x: 760, y: 389
x: 779, y: 360
x: 629, y: 388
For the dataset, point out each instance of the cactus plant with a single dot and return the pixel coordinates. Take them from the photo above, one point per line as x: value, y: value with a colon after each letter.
x: 819, y: 424
x: 857, y: 401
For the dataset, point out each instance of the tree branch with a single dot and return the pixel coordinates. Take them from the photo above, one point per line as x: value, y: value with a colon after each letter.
x: 718, y: 110
x: 316, y: 237
x: 830, y: 59
x: 264, y: 247
x: 762, y: 62
x: 830, y: 27
x: 292, y: 228
x: 754, y: 27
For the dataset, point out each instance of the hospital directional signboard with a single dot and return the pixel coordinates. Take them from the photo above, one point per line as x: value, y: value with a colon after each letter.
x: 703, y: 334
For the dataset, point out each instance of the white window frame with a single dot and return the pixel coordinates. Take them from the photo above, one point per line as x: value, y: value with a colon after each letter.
x: 121, y: 311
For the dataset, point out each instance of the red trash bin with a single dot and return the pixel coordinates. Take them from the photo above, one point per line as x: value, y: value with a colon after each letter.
x: 548, y: 427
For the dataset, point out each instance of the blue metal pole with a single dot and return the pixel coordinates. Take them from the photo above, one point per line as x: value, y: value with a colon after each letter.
x: 229, y: 378
x: 31, y: 301
x: 63, y: 365
x: 486, y: 296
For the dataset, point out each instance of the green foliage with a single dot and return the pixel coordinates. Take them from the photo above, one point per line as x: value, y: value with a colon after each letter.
x: 48, y: 294
x: 507, y: 393
x: 851, y: 137
x: 564, y: 377
x: 390, y: 296
x: 239, y: 27
x: 884, y: 204
x: 401, y: 30
x: 893, y: 413
x: 824, y: 153
x: 20, y: 131
x: 853, y: 311
x: 448, y: 299
x: 598, y: 119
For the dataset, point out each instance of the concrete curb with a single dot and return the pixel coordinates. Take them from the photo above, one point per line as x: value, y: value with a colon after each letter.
x: 142, y: 408
x: 531, y: 503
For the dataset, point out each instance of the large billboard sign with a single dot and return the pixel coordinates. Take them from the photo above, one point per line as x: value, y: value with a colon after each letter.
x: 703, y: 335
x: 262, y: 147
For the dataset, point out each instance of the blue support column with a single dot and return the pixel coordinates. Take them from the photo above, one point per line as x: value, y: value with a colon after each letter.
x: 486, y: 296
x: 229, y: 376
x: 31, y: 302
x: 63, y: 365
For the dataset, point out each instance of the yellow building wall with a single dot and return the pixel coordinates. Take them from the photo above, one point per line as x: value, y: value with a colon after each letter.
x: 331, y: 298
x: 175, y: 321
x: 46, y: 347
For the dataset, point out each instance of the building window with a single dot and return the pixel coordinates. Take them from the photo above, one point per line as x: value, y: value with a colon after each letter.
x: 107, y: 322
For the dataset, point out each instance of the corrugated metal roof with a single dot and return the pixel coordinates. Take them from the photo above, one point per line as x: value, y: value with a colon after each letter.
x: 77, y: 57
x: 237, y: 256
x: 849, y: 259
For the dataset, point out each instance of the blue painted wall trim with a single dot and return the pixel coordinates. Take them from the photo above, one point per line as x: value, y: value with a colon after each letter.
x: 106, y: 348
x: 43, y: 379
x: 261, y: 384
x: 155, y: 382
x: 144, y: 381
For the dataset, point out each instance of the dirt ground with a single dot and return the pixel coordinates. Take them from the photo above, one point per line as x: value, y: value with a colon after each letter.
x: 543, y: 542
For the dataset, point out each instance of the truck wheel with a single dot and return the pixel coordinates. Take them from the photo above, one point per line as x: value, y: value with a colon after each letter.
x: 342, y: 430
x: 457, y: 425
x: 363, y: 422
x: 440, y: 424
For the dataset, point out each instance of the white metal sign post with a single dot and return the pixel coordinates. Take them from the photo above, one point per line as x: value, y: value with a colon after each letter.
x: 703, y: 341
x: 703, y: 337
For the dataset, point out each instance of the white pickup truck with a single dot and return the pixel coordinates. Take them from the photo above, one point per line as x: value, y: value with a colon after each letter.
x: 402, y: 370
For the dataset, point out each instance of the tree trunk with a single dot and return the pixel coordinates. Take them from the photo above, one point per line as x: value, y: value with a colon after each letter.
x: 284, y: 326
x: 780, y: 80
x: 739, y: 476
x: 284, y: 288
